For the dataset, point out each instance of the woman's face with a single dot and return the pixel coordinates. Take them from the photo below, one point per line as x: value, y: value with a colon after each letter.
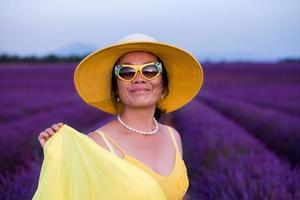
x: 139, y: 92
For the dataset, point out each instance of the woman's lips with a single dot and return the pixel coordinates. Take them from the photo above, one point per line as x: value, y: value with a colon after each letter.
x: 140, y: 90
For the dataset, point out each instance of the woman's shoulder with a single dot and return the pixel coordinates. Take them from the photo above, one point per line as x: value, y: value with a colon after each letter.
x: 96, y: 136
x: 105, y: 127
x: 174, y: 131
x: 176, y: 134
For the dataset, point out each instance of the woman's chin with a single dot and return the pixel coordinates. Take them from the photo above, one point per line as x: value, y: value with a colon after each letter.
x: 142, y: 103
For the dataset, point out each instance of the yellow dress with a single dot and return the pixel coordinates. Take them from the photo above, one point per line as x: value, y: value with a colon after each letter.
x: 175, y: 184
x: 75, y: 167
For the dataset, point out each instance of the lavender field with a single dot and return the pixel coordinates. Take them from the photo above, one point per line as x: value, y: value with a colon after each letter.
x: 240, y: 135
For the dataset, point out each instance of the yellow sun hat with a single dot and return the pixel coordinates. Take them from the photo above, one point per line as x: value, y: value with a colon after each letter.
x: 93, y: 74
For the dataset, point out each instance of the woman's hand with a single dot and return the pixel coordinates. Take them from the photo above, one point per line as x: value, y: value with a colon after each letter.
x: 47, y: 133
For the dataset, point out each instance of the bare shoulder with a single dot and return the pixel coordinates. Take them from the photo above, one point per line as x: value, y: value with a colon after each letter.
x: 177, y: 137
x: 104, y: 128
x: 93, y: 135
x: 97, y: 138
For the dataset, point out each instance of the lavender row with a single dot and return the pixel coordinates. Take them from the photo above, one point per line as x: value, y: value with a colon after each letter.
x: 23, y: 96
x: 19, y: 82
x: 42, y: 78
x: 22, y: 183
x: 279, y: 131
x: 31, y: 107
x: 227, y: 75
x: 225, y: 162
x: 283, y: 97
x: 36, y: 71
x: 20, y: 137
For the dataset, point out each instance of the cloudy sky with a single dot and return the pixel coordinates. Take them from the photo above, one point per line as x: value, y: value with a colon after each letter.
x: 210, y: 29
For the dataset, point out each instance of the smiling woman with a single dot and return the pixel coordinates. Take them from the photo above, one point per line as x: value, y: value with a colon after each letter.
x: 148, y: 76
x: 148, y: 72
x: 137, y: 80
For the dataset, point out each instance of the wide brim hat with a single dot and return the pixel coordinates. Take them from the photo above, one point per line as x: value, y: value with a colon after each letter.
x: 93, y: 74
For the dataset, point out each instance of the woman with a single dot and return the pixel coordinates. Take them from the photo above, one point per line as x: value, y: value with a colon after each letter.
x: 137, y: 80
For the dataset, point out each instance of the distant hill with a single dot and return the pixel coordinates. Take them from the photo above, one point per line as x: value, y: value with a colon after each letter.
x: 75, y: 49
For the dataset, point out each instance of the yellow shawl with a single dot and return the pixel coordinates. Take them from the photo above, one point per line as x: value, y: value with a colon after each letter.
x: 75, y: 167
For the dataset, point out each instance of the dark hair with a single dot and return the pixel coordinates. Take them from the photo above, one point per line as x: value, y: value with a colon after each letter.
x: 114, y: 87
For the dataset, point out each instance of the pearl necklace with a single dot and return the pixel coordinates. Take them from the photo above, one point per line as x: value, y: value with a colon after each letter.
x: 138, y: 131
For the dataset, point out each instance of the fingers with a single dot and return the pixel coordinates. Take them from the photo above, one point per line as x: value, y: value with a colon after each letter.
x: 57, y: 126
x: 42, y: 141
x: 50, y: 131
x: 43, y: 137
x: 47, y: 133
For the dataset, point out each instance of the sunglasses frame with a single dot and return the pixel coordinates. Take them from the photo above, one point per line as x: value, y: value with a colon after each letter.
x: 138, y: 68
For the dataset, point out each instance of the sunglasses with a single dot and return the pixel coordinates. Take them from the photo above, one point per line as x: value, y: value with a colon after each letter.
x: 127, y: 72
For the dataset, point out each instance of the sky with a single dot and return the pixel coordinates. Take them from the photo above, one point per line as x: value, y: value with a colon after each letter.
x: 209, y: 29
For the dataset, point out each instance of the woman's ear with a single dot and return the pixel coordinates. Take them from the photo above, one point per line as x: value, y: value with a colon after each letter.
x: 117, y: 96
x: 163, y: 93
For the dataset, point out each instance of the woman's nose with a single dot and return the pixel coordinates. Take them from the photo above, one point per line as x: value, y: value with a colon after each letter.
x: 139, y: 78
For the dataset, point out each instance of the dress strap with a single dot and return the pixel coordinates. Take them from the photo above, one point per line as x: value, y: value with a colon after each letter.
x: 173, y: 139
x: 108, y: 143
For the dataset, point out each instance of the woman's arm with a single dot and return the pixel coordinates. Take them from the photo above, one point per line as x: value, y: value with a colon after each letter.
x: 178, y: 139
